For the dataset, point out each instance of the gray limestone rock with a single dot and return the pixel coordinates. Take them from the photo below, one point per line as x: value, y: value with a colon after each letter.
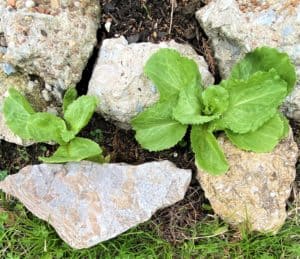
x: 51, y: 41
x: 118, y: 78
x: 255, y: 189
x: 88, y: 203
x: 238, y: 26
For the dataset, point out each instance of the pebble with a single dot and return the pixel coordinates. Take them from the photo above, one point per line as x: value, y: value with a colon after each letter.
x: 8, y: 69
x: 46, y: 95
x: 29, y: 4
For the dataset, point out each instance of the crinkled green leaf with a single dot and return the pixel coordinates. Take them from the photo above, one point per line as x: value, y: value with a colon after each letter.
x: 79, y: 112
x: 264, y: 59
x: 45, y: 127
x: 76, y: 150
x: 253, y: 102
x: 188, y: 108
x: 67, y: 135
x: 170, y: 72
x: 69, y: 97
x: 286, y: 126
x: 208, y: 154
x: 264, y: 139
x: 17, y: 111
x: 156, y: 129
x: 215, y: 100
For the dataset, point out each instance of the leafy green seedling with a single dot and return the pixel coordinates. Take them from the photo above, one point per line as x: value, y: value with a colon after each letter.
x: 45, y: 127
x: 245, y: 106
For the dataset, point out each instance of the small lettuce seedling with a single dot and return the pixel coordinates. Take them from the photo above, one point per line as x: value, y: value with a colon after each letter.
x: 28, y: 124
x: 245, y: 106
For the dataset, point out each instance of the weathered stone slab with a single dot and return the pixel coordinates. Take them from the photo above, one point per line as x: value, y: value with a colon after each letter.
x: 52, y: 42
x: 255, y: 189
x: 88, y: 203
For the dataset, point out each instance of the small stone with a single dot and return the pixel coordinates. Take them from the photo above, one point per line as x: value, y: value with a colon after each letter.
x: 259, y: 201
x: 88, y: 203
x: 46, y: 95
x: 29, y: 4
x: 48, y: 87
x: 55, y: 4
x: 118, y: 78
x: 107, y: 24
x: 8, y: 69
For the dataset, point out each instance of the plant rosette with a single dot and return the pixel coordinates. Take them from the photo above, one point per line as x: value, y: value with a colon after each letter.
x: 28, y: 124
x: 245, y: 106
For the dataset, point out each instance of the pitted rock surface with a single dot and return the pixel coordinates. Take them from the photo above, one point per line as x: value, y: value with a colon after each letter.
x: 88, y: 203
x: 119, y: 81
x: 255, y: 189
x: 53, y: 41
x: 238, y: 26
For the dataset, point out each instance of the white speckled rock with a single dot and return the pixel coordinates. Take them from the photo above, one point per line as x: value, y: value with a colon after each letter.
x: 120, y: 83
x: 238, y: 26
x: 256, y: 187
x: 54, y: 44
x: 33, y: 92
x: 88, y: 203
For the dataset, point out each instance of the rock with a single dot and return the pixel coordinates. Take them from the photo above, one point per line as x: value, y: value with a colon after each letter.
x: 88, y: 203
x: 118, y: 78
x: 52, y: 43
x: 255, y: 189
x: 33, y: 92
x: 238, y: 26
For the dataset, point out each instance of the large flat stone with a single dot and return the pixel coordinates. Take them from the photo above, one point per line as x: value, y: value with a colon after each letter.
x: 88, y: 203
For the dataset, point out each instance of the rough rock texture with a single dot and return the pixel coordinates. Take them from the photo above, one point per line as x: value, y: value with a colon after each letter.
x: 255, y: 189
x: 33, y: 92
x: 119, y: 81
x: 236, y: 27
x: 53, y: 41
x: 88, y: 203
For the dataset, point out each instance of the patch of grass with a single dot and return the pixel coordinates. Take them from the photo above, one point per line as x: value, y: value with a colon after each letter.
x: 24, y: 236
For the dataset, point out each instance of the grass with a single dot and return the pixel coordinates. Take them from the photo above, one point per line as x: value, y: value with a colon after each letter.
x: 24, y: 236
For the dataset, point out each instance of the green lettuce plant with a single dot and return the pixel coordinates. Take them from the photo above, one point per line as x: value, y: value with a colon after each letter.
x: 28, y: 124
x: 245, y: 106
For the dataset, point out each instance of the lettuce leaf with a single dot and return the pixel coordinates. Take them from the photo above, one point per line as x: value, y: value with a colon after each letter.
x: 253, y: 102
x: 45, y: 127
x: 263, y: 140
x: 264, y: 59
x: 155, y: 127
x: 79, y: 112
x: 76, y: 150
x: 170, y: 72
x: 69, y: 97
x: 17, y: 111
x: 208, y: 154
x: 188, y: 109
x: 215, y: 100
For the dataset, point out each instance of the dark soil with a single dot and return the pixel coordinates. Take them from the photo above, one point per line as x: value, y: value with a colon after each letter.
x: 138, y: 21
